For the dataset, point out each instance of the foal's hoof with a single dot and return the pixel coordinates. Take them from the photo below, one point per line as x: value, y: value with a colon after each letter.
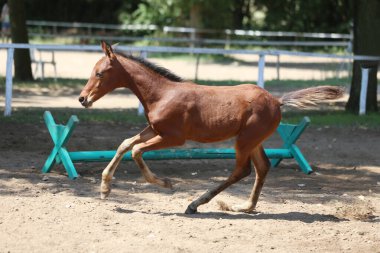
x: 168, y: 183
x: 191, y: 210
x: 104, y: 195
x: 105, y: 190
x: 243, y: 208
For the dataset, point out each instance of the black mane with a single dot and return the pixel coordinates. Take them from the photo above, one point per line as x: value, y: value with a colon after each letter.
x: 158, y: 69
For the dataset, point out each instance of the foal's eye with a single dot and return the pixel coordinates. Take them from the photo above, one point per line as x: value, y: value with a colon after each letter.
x: 99, y: 75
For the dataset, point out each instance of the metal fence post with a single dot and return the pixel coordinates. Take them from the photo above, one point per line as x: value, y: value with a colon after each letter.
x: 260, y: 80
x: 193, y: 37
x: 278, y: 67
x: 140, y: 109
x: 196, y: 67
x: 8, y: 82
x: 363, y: 91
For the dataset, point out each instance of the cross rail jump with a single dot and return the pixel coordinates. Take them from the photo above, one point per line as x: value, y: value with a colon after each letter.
x: 61, y: 134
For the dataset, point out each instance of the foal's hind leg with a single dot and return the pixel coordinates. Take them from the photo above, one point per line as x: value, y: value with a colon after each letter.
x: 262, y: 166
x: 124, y: 147
x: 242, y: 169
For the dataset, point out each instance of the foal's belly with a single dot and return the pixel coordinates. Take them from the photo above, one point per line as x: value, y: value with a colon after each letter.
x: 213, y: 128
x: 209, y: 138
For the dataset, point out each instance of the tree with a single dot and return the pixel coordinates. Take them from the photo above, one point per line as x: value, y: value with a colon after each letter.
x: 210, y: 14
x: 19, y: 34
x: 366, y: 42
x: 92, y: 11
x: 305, y: 16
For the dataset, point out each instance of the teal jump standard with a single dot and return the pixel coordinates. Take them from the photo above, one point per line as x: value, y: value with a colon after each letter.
x: 60, y: 135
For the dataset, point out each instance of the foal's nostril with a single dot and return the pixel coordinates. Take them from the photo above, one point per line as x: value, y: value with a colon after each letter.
x: 81, y: 99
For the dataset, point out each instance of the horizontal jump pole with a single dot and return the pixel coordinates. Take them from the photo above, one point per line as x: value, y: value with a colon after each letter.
x: 219, y: 153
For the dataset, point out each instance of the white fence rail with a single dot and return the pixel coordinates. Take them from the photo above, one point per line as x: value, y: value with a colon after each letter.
x: 167, y: 29
x: 201, y: 41
x: 144, y: 50
x: 320, y: 39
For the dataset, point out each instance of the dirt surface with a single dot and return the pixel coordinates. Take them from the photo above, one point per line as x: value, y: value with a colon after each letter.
x: 336, y: 209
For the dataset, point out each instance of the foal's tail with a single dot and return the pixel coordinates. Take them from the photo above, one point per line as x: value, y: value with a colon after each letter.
x: 309, y: 97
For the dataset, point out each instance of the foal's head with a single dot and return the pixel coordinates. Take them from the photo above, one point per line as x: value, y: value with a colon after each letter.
x: 106, y: 76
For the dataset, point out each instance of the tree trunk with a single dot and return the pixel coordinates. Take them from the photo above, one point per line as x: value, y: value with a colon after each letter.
x: 238, y: 14
x: 241, y: 10
x: 366, y: 42
x: 195, y: 22
x: 196, y: 15
x: 19, y: 34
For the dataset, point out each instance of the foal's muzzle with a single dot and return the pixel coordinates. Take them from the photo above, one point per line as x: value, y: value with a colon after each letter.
x: 85, y: 102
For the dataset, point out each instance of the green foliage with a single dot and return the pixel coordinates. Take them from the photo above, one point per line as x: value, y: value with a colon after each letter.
x: 289, y: 15
x: 285, y: 15
x: 158, y: 12
x: 97, y: 11
x: 212, y: 13
x: 215, y: 14
x: 306, y: 16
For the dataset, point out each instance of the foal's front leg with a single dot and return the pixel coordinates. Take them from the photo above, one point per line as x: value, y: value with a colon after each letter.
x: 157, y: 142
x: 125, y: 146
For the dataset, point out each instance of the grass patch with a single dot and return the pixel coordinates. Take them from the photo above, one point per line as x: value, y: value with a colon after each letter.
x: 282, y: 83
x: 333, y: 118
x: 62, y: 115
x: 308, y: 83
x: 77, y: 83
x: 52, y: 83
x: 130, y: 117
x: 74, y: 83
x: 2, y: 84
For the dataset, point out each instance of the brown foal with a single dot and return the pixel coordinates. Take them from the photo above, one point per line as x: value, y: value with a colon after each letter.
x: 179, y: 110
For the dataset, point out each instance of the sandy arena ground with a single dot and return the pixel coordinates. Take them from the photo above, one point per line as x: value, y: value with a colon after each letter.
x: 336, y: 209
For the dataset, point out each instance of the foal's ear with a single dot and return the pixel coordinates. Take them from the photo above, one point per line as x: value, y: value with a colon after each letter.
x: 114, y: 46
x: 107, y: 49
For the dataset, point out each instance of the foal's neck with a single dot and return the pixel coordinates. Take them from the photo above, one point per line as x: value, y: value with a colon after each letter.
x: 147, y: 85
